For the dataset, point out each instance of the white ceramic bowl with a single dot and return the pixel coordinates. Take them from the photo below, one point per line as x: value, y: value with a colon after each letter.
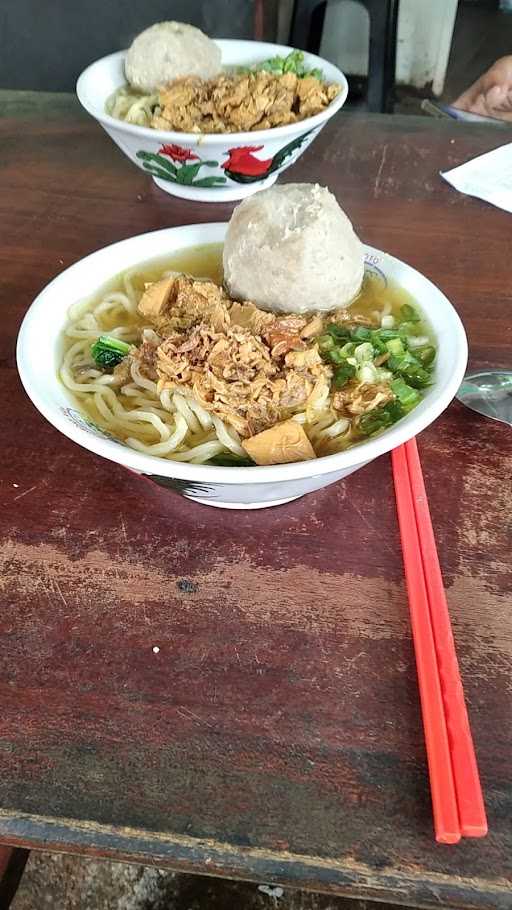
x: 226, y: 160
x: 39, y: 354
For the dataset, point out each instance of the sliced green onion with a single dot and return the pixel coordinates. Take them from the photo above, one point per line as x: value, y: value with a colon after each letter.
x: 417, y: 341
x: 387, y: 334
x: 383, y: 375
x: 342, y: 375
x: 335, y: 356
x: 367, y: 372
x: 378, y: 344
x: 407, y: 396
x: 339, y: 332
x: 364, y: 352
x: 380, y: 418
x: 326, y: 343
x: 426, y: 355
x: 395, y: 346
x: 417, y: 377
x: 408, y: 313
x: 361, y: 333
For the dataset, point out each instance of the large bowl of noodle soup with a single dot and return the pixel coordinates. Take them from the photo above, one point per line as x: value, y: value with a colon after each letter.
x: 43, y: 347
x: 207, y: 167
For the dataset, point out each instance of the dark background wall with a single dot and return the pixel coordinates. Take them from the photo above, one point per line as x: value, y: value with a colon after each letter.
x: 45, y: 44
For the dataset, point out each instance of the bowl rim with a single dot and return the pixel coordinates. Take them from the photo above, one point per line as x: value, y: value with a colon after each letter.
x: 413, y: 423
x: 215, y: 138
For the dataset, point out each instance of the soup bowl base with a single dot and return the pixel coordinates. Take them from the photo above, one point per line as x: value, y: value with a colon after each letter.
x: 250, y: 495
x: 243, y: 505
x: 197, y: 194
x: 40, y: 352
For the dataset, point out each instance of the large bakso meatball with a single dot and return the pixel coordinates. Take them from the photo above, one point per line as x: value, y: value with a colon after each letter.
x: 292, y: 249
x: 168, y: 50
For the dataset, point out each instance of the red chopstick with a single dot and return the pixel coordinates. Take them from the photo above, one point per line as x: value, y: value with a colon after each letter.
x: 457, y: 800
x: 442, y: 787
x: 472, y: 817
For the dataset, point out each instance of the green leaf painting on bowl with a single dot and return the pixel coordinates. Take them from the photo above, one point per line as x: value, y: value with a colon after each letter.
x: 161, y: 165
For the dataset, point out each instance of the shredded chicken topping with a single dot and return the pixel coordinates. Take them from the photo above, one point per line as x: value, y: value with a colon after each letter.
x: 230, y: 104
x: 360, y: 398
x: 251, y: 368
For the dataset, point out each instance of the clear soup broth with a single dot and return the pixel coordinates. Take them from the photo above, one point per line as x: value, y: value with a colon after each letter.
x: 385, y: 347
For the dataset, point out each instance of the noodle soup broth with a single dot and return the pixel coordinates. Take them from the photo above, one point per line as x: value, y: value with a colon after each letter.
x: 171, y: 424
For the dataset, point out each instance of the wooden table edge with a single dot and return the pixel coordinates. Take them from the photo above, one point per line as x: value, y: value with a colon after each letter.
x: 180, y: 853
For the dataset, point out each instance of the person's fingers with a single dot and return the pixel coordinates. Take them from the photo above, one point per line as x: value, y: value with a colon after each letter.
x: 491, y: 94
x: 505, y: 104
x: 465, y: 100
x: 495, y: 96
x: 505, y: 114
x: 476, y: 105
x: 498, y: 102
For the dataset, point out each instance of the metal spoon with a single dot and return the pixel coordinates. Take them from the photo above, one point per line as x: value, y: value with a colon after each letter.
x: 488, y: 393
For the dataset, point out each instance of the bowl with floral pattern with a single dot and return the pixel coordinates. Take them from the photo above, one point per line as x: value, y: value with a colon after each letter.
x: 209, y: 167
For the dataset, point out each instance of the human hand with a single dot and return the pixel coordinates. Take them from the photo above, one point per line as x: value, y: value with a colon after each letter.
x: 491, y: 94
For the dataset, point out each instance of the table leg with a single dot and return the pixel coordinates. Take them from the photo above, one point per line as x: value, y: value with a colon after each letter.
x: 12, y: 864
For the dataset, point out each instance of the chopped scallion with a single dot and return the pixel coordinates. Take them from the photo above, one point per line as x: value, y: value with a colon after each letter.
x: 342, y: 374
x: 408, y: 313
x: 407, y: 396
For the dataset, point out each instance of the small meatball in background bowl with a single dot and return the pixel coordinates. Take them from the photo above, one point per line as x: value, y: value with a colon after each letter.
x: 209, y: 167
x: 168, y: 50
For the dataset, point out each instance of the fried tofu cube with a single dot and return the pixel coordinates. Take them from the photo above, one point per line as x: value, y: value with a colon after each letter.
x: 156, y: 297
x: 281, y: 444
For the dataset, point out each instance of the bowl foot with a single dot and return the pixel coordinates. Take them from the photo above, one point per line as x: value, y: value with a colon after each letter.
x: 214, y: 194
x: 242, y: 505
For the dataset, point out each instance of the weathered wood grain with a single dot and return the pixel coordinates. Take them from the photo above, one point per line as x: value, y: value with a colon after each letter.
x: 276, y: 734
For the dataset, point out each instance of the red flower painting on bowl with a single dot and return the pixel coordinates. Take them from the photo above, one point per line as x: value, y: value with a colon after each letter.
x: 178, y: 153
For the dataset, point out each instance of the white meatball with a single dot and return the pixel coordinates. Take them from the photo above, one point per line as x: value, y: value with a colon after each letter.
x: 168, y: 50
x: 292, y: 249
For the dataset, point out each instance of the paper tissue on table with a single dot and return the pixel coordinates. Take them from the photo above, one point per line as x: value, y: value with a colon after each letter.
x: 488, y: 177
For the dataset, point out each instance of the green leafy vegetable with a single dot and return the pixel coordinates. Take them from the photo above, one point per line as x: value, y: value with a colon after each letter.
x: 230, y: 460
x: 108, y: 351
x: 293, y: 63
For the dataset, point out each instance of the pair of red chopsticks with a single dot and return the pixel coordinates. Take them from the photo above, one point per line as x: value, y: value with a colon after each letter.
x: 457, y: 800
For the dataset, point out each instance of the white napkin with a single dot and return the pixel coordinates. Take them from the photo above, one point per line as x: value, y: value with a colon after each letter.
x: 488, y: 177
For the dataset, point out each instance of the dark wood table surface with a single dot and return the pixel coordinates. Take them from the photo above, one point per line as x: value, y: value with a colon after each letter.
x: 276, y: 734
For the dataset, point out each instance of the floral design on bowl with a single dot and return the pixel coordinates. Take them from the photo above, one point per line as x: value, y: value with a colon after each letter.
x: 170, y: 163
x: 178, y: 164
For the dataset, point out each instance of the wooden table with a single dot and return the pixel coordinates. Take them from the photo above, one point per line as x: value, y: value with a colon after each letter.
x: 276, y: 734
